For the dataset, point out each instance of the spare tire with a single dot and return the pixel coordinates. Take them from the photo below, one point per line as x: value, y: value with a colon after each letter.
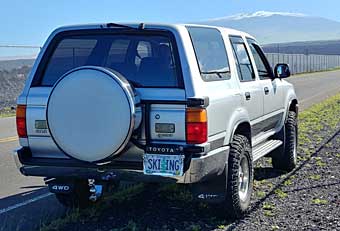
x: 91, y: 113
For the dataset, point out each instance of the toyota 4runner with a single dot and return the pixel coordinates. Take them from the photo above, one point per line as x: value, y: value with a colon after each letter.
x: 142, y: 102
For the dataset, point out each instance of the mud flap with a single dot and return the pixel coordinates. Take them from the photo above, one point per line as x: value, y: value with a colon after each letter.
x: 211, y: 191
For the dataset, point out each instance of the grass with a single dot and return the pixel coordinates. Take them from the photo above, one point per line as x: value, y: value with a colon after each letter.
x: 281, y: 194
x: 175, y: 192
x: 7, y: 112
x: 315, y: 177
x: 260, y: 194
x: 71, y: 217
x: 268, y: 206
x: 268, y: 213
x: 287, y: 182
x: 318, y: 201
x: 275, y: 227
x: 311, y: 122
x: 195, y: 228
x: 311, y: 72
x: 320, y: 164
x: 126, y: 194
x: 92, y: 213
x: 268, y: 209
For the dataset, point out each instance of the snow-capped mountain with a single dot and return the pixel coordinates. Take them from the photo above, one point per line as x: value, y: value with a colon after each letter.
x: 278, y: 27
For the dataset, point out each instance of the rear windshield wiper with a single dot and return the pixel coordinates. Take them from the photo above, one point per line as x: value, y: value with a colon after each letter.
x: 141, y: 26
x: 219, y: 73
x: 215, y: 72
x: 111, y: 24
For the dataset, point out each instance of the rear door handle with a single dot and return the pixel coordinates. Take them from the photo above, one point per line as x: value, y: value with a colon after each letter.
x: 266, y: 90
x: 247, y: 94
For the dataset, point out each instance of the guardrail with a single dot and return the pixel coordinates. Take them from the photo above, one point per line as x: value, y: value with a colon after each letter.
x: 301, y: 63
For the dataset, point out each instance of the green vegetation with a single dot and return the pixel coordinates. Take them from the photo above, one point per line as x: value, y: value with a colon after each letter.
x: 7, y: 112
x: 315, y: 177
x: 268, y: 213
x: 268, y: 206
x: 71, y: 217
x: 311, y: 121
x: 195, y: 227
x: 319, y: 201
x: 275, y: 227
x: 260, y: 194
x: 320, y: 163
x: 287, y: 182
x: 311, y: 72
x: 175, y: 192
x: 93, y: 212
x: 221, y: 227
x: 281, y: 194
x: 126, y: 194
x: 268, y: 209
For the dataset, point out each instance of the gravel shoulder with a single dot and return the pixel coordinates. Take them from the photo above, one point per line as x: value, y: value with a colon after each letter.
x: 305, y: 199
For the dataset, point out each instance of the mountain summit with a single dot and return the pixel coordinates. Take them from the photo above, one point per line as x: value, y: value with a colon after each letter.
x: 279, y: 27
x: 258, y: 14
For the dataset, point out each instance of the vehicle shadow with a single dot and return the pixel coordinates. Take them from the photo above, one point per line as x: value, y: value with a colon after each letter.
x: 155, y: 207
x: 264, y: 173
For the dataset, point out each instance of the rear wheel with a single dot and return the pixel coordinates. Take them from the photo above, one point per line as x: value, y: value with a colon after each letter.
x: 79, y: 198
x: 285, y: 157
x: 240, y: 176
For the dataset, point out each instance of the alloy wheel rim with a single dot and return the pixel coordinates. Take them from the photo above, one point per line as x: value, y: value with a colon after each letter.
x: 295, y: 147
x: 243, y: 176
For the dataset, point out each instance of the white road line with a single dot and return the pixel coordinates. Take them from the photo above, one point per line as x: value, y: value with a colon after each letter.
x: 5, y: 210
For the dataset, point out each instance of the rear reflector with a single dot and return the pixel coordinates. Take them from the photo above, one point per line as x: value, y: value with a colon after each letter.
x: 21, y: 121
x: 196, y: 126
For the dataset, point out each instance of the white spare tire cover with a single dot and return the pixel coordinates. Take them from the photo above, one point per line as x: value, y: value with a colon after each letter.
x: 90, y: 113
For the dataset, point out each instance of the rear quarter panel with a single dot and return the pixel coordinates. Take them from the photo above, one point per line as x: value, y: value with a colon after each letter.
x: 226, y: 107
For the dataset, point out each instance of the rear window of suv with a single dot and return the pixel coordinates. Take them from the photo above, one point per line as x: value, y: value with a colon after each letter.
x: 146, y: 60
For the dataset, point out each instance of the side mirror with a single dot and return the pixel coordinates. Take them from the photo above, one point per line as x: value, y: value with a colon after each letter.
x: 281, y: 70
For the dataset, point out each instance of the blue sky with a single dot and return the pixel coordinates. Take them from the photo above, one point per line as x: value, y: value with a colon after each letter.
x: 30, y: 22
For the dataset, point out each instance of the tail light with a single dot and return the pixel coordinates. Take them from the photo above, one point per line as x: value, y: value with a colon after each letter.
x: 21, y: 121
x: 196, y: 126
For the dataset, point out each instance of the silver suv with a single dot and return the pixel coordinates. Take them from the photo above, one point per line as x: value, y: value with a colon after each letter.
x: 142, y: 102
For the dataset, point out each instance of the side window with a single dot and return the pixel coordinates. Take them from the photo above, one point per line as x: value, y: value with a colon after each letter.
x: 117, y: 52
x: 261, y: 62
x: 210, y: 52
x: 69, y: 54
x: 243, y: 63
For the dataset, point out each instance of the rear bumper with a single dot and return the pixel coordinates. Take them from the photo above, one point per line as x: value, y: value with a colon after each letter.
x: 199, y: 168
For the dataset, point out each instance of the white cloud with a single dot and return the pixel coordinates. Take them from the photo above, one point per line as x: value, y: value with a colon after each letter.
x: 257, y: 14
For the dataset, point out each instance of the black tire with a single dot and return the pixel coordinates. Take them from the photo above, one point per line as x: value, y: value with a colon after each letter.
x: 79, y: 198
x: 240, y: 150
x: 285, y: 157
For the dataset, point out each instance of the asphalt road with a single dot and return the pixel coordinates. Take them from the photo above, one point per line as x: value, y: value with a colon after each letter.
x: 25, y: 201
x: 314, y: 88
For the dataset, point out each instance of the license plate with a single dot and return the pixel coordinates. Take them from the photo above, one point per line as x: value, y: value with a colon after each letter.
x: 163, y: 165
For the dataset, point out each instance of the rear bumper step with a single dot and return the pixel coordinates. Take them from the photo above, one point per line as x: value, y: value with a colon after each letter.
x: 199, y: 168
